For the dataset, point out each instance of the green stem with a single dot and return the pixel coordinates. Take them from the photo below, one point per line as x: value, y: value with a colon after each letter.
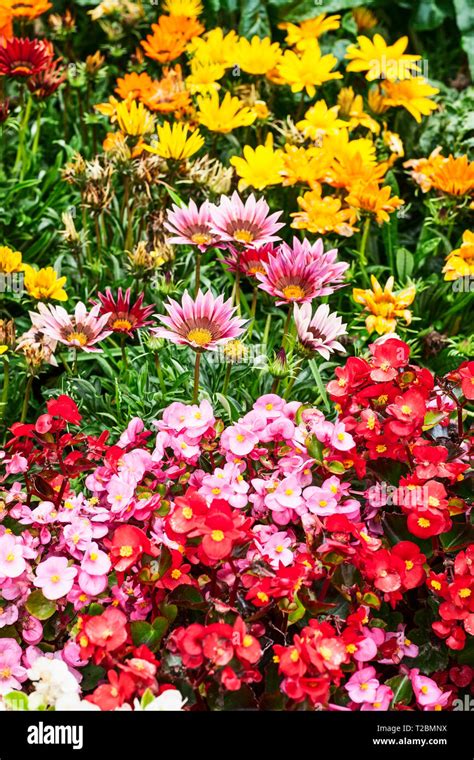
x: 26, y: 400
x: 124, y: 352
x: 197, y: 282
x: 237, y: 291
x: 197, y: 365
x: 226, y: 379
x: 35, y: 145
x: 20, y: 155
x: 253, y: 310
x: 290, y: 385
x: 284, y: 339
x: 159, y: 372
x: 362, y: 249
x: 6, y: 383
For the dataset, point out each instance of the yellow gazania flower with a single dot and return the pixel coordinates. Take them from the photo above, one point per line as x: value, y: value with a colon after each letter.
x: 299, y: 35
x: 257, y: 56
x: 376, y: 100
x: 384, y: 305
x: 307, y: 166
x: 224, y: 116
x: 10, y: 260
x: 352, y: 107
x: 460, y: 262
x: 189, y: 8
x: 308, y: 70
x: 261, y: 109
x: 354, y: 155
x: 412, y: 94
x: 322, y: 215
x: 320, y: 120
x: 423, y: 169
x: 44, y: 284
x: 349, y: 170
x: 364, y: 18
x: 173, y: 141
x: 134, y: 119
x: 373, y: 199
x: 382, y: 61
x: 3, y: 349
x: 455, y: 176
x: 260, y: 167
x: 133, y: 85
x: 109, y: 108
x: 214, y: 47
x: 204, y: 76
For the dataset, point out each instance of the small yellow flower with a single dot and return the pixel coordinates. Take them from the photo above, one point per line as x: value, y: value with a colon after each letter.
x: 384, y: 305
x: 299, y: 35
x: 308, y: 70
x: 44, y: 284
x: 321, y: 215
x: 10, y: 260
x: 320, y: 120
x: 260, y: 166
x: 214, y: 47
x: 189, y: 8
x: 460, y: 262
x: 204, y: 76
x: 223, y: 116
x: 257, y: 56
x: 364, y: 18
x: 412, y: 94
x: 382, y: 61
x: 373, y: 199
x: 352, y: 107
x: 174, y: 142
x: 261, y: 109
x: 134, y: 119
x: 305, y: 166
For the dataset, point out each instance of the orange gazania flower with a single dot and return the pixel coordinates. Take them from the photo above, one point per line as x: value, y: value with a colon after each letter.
x: 170, y: 37
x: 460, y: 262
x: 384, y: 305
x: 322, y: 215
x: 373, y: 199
x: 455, y: 176
x: 351, y: 170
x: 168, y: 94
x: 308, y: 166
x: 423, y: 169
x: 29, y: 9
x: 6, y: 22
x: 134, y: 85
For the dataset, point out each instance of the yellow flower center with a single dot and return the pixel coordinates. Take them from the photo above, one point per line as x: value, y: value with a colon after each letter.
x: 436, y: 585
x: 77, y: 337
x: 351, y: 648
x: 465, y: 593
x: 54, y: 578
x: 243, y: 236
x: 423, y: 522
x: 199, y: 335
x: 93, y: 556
x: 187, y: 513
x: 406, y: 409
x: 293, y: 292
x: 10, y: 557
x: 175, y: 574
x: 294, y: 656
x: 121, y: 324
x: 217, y: 535
x: 201, y: 238
x: 247, y: 641
x: 262, y: 596
x: 126, y: 551
x: 409, y: 564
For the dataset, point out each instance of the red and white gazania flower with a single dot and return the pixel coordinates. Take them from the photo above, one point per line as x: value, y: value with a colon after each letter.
x: 247, y: 223
x: 81, y: 330
x: 318, y: 334
x: 202, y: 324
x: 22, y: 57
x: 191, y: 225
x: 123, y: 317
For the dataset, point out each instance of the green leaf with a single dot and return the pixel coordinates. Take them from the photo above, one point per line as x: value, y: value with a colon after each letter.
x: 402, y: 690
x: 404, y: 263
x: 145, y: 633
x: 457, y: 538
x: 40, y: 607
x: 160, y: 625
x: 187, y: 596
x: 16, y: 700
x: 464, y: 10
x: 91, y: 675
x: 170, y: 611
x: 254, y: 19
x: 147, y: 698
x: 297, y: 610
x: 395, y: 528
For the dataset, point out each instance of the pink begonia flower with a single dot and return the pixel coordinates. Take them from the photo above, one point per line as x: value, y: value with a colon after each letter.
x: 271, y: 405
x: 277, y: 430
x: 12, y: 562
x: 362, y: 686
x: 184, y: 448
x: 92, y: 584
x: 32, y: 631
x: 319, y: 501
x: 383, y: 697
x: 340, y: 439
x: 366, y: 650
x: 133, y: 430
x: 120, y: 491
x: 427, y: 692
x: 95, y: 561
x: 8, y: 615
x: 276, y: 549
x: 16, y: 464
x: 287, y: 495
x: 46, y: 512
x: 78, y: 598
x: 239, y: 439
x: 12, y: 674
x: 54, y: 577
x: 78, y: 535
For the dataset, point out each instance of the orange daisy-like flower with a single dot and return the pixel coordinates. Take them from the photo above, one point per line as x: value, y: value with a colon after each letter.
x: 6, y: 22
x: 412, y: 94
x: 423, y: 169
x: 168, y: 95
x: 384, y: 305
x: 455, y: 176
x: 322, y: 215
x: 308, y: 166
x: 28, y: 9
x: 460, y: 262
x: 134, y: 85
x: 373, y: 199
x: 170, y: 37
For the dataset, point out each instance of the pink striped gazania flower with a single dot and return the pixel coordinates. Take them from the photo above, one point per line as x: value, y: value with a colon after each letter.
x: 301, y: 272
x: 203, y: 323
x: 123, y: 317
x: 81, y: 330
x: 191, y: 225
x: 246, y: 223
x: 318, y: 334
